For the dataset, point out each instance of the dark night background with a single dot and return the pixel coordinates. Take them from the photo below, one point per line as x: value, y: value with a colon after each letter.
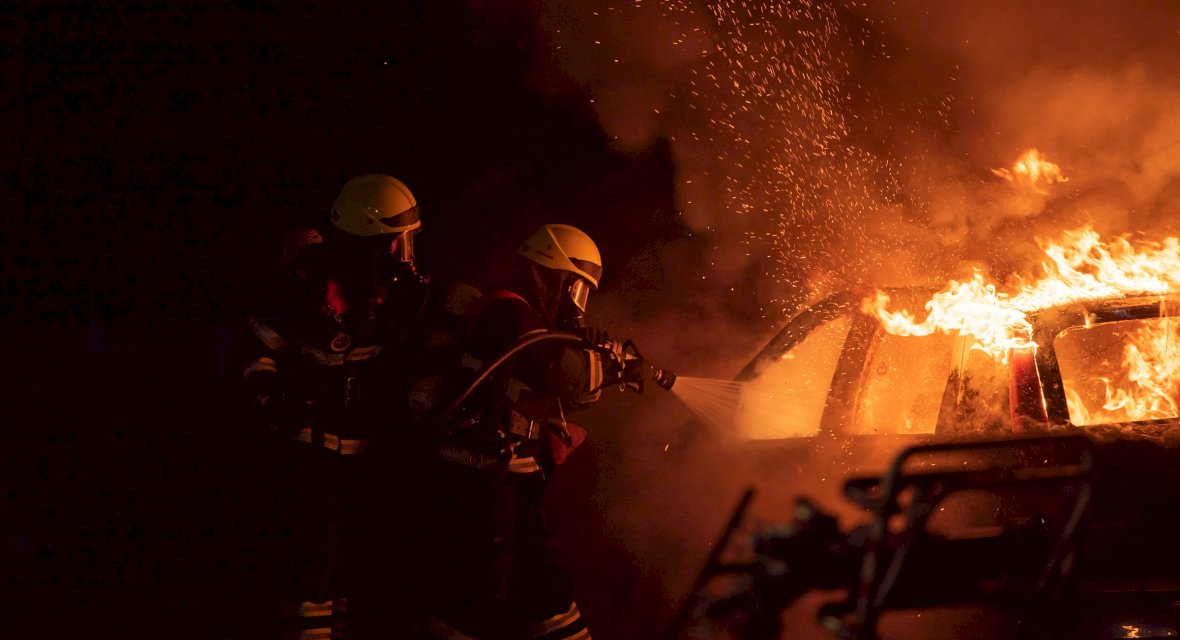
x: 161, y: 149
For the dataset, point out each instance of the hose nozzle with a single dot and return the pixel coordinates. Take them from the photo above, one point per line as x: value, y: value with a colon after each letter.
x: 637, y: 370
x: 633, y: 368
x: 663, y: 377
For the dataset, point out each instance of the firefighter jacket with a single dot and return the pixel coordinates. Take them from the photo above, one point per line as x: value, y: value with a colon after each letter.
x: 494, y: 571
x: 518, y: 418
x: 316, y: 381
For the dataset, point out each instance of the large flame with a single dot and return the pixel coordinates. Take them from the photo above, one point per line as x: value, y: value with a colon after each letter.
x: 971, y: 308
x: 1079, y: 266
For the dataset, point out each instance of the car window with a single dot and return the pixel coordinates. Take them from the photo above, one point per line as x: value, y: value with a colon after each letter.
x: 903, y: 384
x: 1124, y: 371
x: 787, y: 398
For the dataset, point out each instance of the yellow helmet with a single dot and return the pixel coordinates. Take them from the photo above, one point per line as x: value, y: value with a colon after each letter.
x: 375, y: 204
x: 565, y: 248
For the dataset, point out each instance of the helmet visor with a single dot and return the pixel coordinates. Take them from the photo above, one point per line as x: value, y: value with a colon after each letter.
x: 406, y: 220
x: 580, y: 293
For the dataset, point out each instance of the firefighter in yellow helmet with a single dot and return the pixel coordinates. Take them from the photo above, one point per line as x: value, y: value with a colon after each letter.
x: 324, y: 342
x: 364, y: 256
x: 495, y: 570
x: 571, y: 267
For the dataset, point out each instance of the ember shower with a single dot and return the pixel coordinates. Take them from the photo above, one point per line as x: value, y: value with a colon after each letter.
x: 827, y: 144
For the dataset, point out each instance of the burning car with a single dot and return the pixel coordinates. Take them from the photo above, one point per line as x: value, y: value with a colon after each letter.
x: 1034, y: 489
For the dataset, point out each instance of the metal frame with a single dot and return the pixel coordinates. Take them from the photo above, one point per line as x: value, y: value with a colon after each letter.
x: 886, y: 553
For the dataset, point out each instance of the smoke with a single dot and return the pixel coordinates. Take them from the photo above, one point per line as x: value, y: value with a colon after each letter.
x: 845, y: 143
x: 825, y: 145
x: 1088, y: 84
x: 749, y: 99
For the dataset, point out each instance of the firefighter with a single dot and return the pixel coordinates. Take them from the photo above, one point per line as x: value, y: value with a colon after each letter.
x: 326, y: 345
x: 495, y: 572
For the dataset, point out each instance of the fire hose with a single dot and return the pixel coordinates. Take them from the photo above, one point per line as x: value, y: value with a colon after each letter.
x: 635, y: 369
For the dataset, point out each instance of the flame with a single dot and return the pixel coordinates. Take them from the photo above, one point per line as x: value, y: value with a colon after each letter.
x: 1140, y: 376
x: 1148, y: 384
x: 1032, y: 169
x: 971, y: 308
x: 1078, y: 267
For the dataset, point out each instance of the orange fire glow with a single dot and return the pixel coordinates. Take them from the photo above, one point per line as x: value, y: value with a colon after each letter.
x: 1078, y: 267
x: 971, y: 308
x: 1122, y: 371
x: 1148, y: 385
x: 1032, y: 169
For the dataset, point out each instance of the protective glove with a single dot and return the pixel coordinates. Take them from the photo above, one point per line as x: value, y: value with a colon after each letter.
x: 595, y: 338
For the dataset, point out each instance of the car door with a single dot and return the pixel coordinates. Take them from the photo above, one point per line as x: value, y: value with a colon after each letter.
x: 832, y: 375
